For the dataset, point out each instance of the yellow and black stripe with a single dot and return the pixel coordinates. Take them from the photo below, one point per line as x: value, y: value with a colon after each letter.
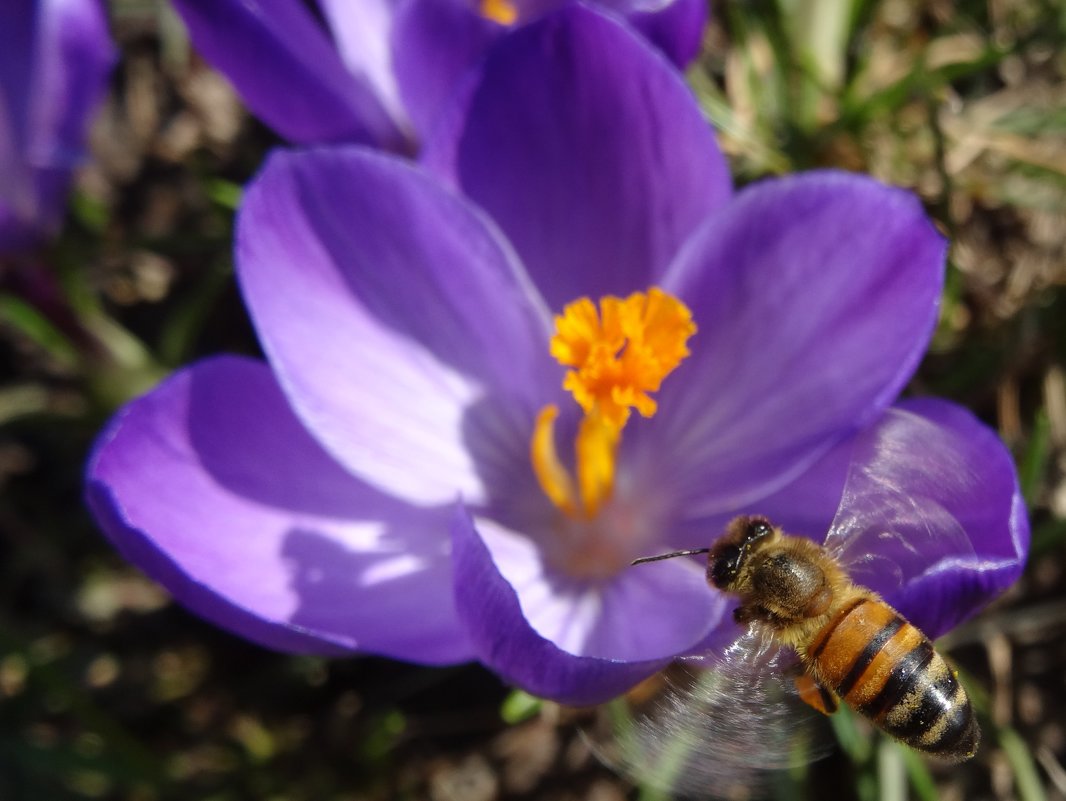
x: 887, y: 670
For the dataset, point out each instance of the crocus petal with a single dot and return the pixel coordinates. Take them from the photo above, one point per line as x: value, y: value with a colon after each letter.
x: 946, y: 487
x: 923, y: 506
x: 596, y: 189
x: 676, y: 28
x: 54, y: 60
x: 435, y: 43
x: 18, y: 39
x: 656, y: 611
x: 815, y: 296
x: 289, y: 73
x: 363, y: 33
x: 74, y: 56
x: 406, y: 336
x: 212, y: 487
x: 505, y: 642
x: 673, y: 26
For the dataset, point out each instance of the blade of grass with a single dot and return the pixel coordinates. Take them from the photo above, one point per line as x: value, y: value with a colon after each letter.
x: 185, y: 322
x: 1026, y: 778
x: 918, y: 773
x: 857, y: 746
x: 1032, y: 466
x: 33, y: 325
x: 891, y: 772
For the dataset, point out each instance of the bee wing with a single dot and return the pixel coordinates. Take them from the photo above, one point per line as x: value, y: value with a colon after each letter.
x: 716, y: 727
x: 894, y: 521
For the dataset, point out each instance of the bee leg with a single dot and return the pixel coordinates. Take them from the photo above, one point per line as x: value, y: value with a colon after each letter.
x: 815, y: 695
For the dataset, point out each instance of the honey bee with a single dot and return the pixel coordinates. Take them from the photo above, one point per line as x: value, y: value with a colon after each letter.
x: 850, y: 644
x: 814, y: 627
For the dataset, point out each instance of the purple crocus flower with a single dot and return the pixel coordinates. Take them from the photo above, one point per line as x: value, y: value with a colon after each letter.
x: 390, y: 480
x: 54, y: 60
x: 381, y: 72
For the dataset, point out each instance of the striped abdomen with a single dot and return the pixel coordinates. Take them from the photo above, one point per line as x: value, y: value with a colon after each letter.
x: 887, y: 670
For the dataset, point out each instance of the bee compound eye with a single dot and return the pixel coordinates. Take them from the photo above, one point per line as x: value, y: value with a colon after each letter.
x: 758, y: 528
x: 723, y: 566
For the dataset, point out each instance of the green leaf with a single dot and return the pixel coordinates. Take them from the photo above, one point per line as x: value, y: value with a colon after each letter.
x: 519, y: 706
x: 225, y: 193
x: 32, y: 324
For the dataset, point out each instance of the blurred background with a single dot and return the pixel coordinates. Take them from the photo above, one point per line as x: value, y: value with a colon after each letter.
x: 110, y: 691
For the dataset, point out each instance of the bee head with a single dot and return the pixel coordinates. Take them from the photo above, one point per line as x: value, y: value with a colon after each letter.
x: 729, y: 555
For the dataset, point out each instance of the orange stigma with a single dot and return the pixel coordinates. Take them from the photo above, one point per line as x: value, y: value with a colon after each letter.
x: 617, y: 353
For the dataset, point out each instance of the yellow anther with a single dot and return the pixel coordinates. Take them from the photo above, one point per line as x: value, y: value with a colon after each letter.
x: 501, y: 11
x: 618, y: 353
x: 622, y: 353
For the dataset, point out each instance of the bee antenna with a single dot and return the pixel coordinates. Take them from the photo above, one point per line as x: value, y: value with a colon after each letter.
x: 644, y: 559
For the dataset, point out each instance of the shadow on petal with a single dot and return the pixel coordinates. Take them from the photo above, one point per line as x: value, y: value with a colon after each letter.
x: 496, y: 433
x: 204, y: 482
x: 399, y: 598
x: 383, y: 572
x: 252, y: 446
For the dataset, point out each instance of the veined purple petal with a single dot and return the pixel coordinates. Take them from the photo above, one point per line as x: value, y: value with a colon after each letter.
x: 435, y: 43
x: 588, y: 149
x: 400, y: 326
x: 288, y: 71
x: 213, y: 488
x: 504, y: 641
x: 54, y: 60
x: 673, y: 26
x: 815, y: 296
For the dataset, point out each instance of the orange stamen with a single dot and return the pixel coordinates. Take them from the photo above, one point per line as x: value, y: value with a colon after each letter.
x: 501, y: 11
x: 618, y: 354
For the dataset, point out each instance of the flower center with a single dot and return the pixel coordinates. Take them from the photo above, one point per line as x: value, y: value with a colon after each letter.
x: 501, y: 11
x: 617, y: 353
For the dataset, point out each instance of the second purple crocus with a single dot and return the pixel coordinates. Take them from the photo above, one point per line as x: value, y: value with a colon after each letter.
x: 382, y: 72
x: 489, y: 387
x: 54, y: 59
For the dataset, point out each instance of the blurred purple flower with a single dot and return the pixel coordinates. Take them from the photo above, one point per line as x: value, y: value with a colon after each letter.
x: 307, y: 502
x: 380, y: 72
x: 54, y: 59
